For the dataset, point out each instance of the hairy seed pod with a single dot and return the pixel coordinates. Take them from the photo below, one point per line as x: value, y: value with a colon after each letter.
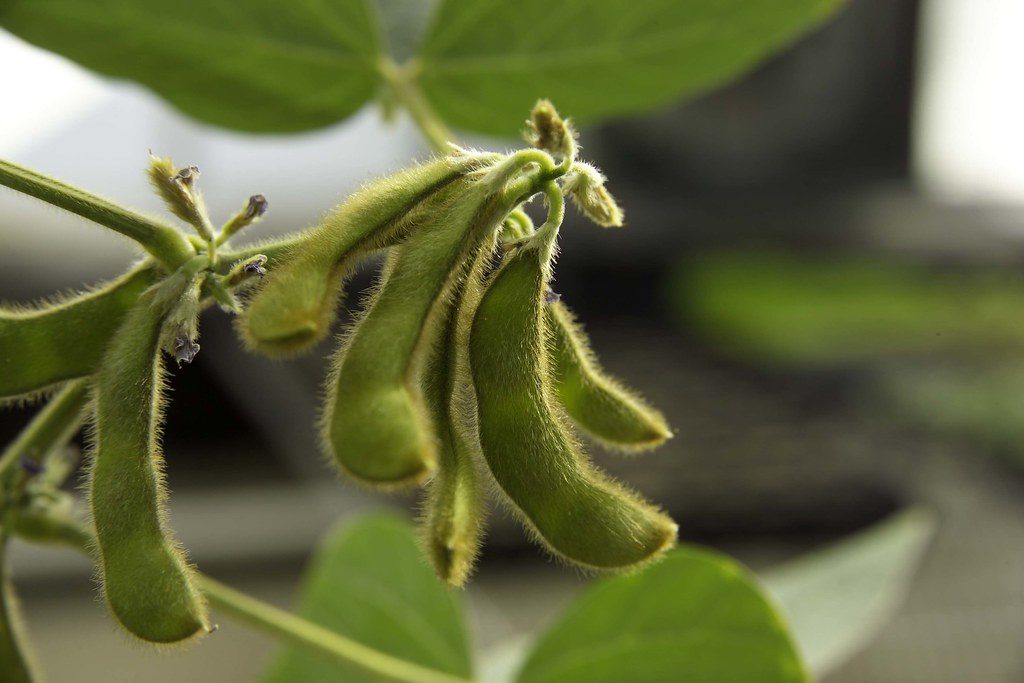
x: 577, y: 511
x: 146, y: 579
x: 454, y: 513
x: 375, y: 423
x: 42, y: 346
x: 598, y: 404
x: 296, y: 304
x: 16, y: 663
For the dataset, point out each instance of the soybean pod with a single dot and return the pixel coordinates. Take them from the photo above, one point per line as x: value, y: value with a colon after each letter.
x: 146, y: 579
x: 42, y: 346
x: 296, y: 305
x: 375, y: 423
x: 575, y: 510
x: 454, y: 514
x: 598, y: 404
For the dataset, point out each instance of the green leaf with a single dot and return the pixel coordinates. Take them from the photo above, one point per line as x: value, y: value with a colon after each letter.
x: 256, y: 65
x: 694, y: 616
x: 370, y: 583
x: 485, y: 62
x: 838, y: 598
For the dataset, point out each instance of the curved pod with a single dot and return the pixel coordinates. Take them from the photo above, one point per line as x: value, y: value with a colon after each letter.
x: 296, y: 305
x: 146, y: 579
x: 597, y: 404
x: 578, y: 512
x: 375, y: 423
x: 454, y: 513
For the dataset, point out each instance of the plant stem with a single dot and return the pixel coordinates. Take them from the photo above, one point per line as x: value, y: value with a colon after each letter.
x: 278, y: 623
x: 402, y: 80
x: 164, y: 242
x: 52, y: 426
x: 302, y: 633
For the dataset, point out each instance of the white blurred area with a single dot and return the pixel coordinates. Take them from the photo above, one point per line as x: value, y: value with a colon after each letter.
x: 969, y: 127
x: 95, y: 133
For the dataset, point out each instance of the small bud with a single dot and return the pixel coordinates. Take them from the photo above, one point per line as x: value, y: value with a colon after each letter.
x: 255, y: 267
x: 30, y: 466
x: 246, y: 270
x: 185, y: 349
x: 253, y: 210
x: 180, y: 328
x: 256, y: 207
x: 584, y: 185
x: 546, y: 130
x: 187, y: 176
x: 177, y: 189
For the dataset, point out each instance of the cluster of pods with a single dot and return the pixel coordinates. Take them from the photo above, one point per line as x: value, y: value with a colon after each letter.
x: 463, y: 371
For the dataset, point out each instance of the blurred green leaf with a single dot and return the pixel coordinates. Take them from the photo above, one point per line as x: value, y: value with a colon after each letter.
x: 838, y: 598
x: 255, y: 65
x: 694, y: 616
x: 813, y: 310
x: 370, y: 583
x: 485, y: 62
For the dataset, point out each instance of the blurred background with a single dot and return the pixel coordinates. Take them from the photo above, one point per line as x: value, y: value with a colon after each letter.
x: 820, y: 284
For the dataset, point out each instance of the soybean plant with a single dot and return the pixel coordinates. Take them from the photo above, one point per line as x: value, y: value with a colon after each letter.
x: 463, y: 372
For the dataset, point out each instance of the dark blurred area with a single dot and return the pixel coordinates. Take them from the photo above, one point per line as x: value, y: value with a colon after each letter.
x: 830, y: 341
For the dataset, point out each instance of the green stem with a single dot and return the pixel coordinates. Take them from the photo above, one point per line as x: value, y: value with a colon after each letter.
x: 402, y: 81
x: 547, y: 232
x: 278, y: 623
x: 16, y: 666
x: 52, y: 426
x: 165, y: 243
x: 302, y: 633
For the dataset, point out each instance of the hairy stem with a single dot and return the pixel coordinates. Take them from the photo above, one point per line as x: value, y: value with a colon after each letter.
x: 280, y: 624
x: 52, y: 426
x: 302, y: 633
x: 164, y: 242
x: 402, y: 81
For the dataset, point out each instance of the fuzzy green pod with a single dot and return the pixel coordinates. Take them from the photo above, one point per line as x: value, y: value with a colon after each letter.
x: 66, y: 339
x: 454, y: 512
x: 16, y: 663
x: 597, y: 404
x: 146, y: 579
x: 295, y: 306
x: 375, y: 423
x: 577, y: 511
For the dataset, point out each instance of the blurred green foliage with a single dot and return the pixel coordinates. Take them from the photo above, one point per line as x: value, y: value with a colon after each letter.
x: 939, y: 348
x: 825, y: 310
